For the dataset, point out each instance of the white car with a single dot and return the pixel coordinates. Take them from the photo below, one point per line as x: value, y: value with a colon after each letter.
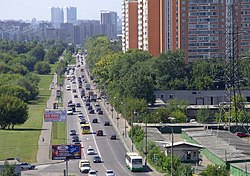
x: 92, y: 173
x: 90, y: 151
x: 109, y: 173
x: 84, y: 166
x: 69, y: 112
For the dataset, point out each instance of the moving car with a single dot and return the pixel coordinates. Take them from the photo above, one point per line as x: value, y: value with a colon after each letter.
x: 113, y: 137
x: 74, y: 90
x: 78, y: 104
x: 95, y: 120
x: 69, y: 112
x: 109, y: 173
x: 90, y: 151
x: 99, y: 133
x: 92, y: 173
x: 106, y: 123
x: 72, y: 132
x: 27, y: 166
x: 84, y: 166
x: 75, y: 96
x: 91, y: 111
x: 100, y: 112
x: 241, y: 134
x: 97, y: 159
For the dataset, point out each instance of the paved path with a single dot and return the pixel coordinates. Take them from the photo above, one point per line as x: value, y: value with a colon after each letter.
x: 45, y: 137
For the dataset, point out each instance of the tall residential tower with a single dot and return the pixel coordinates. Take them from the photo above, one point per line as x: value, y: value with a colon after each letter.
x: 57, y: 16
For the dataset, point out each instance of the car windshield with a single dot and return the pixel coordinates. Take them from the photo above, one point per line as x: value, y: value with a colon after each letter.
x: 109, y: 172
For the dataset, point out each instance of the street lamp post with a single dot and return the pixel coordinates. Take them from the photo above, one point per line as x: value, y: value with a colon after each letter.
x: 146, y: 140
x: 172, y: 146
x: 132, y: 130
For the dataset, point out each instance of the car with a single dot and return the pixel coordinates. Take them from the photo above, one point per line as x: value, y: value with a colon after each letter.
x: 90, y: 107
x: 78, y: 104
x: 75, y: 136
x: 91, y: 111
x: 27, y: 166
x: 69, y: 112
x: 75, y: 96
x: 241, y: 134
x: 75, y: 140
x: 87, y: 103
x: 100, y: 112
x: 95, y: 120
x: 97, y: 109
x: 82, y: 121
x: 72, y: 132
x: 106, y: 123
x: 70, y: 102
x: 90, y: 151
x: 74, y: 90
x: 99, y: 133
x: 109, y: 173
x: 113, y: 137
x: 80, y: 115
x: 97, y: 159
x: 92, y: 173
x: 84, y: 166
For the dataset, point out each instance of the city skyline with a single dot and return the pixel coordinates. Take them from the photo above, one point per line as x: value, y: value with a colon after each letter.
x: 28, y: 9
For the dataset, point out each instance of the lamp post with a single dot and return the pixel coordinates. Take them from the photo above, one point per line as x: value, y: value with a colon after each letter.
x: 146, y: 139
x: 132, y: 130
x: 172, y: 145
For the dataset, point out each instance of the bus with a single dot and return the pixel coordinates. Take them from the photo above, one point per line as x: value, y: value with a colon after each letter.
x: 85, y: 128
x: 134, y: 161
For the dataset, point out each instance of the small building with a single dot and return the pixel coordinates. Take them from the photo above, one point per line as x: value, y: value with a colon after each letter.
x: 187, y: 152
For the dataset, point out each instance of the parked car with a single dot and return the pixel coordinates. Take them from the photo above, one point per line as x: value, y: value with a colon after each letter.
x: 27, y: 166
x: 241, y: 134
x: 74, y: 90
x: 97, y: 159
x: 99, y: 133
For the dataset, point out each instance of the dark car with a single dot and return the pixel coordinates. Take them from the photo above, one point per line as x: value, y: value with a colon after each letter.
x: 97, y: 159
x: 74, y: 90
x: 27, y: 166
x: 78, y: 104
x: 72, y: 132
x: 90, y: 107
x: 91, y: 111
x: 100, y: 112
x: 87, y: 103
x: 95, y: 120
x: 99, y: 133
x: 106, y: 123
x: 75, y: 96
x: 113, y: 137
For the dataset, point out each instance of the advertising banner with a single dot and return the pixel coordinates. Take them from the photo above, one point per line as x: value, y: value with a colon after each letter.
x: 54, y: 115
x: 63, y: 152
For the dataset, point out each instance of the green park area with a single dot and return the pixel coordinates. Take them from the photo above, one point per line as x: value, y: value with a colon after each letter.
x: 22, y: 141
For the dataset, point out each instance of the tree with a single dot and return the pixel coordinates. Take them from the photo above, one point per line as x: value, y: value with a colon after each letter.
x: 37, y: 52
x: 51, y: 56
x: 204, y: 115
x: 215, y: 170
x: 177, y: 109
x: 8, y: 170
x: 42, y: 67
x: 15, y: 90
x: 13, y: 111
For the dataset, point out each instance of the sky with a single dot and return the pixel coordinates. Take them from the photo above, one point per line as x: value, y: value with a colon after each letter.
x: 40, y: 9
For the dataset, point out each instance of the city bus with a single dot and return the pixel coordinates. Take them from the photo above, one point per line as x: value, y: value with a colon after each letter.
x: 134, y: 161
x: 85, y: 128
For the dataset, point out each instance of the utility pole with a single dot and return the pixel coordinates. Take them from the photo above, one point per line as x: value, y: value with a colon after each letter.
x: 125, y: 126
x: 172, y: 150
x: 132, y: 131
x: 146, y: 139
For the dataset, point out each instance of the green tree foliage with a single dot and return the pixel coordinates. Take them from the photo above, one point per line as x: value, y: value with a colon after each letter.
x: 8, y: 170
x: 37, y: 52
x: 215, y: 170
x: 51, y: 56
x: 14, y: 90
x: 177, y: 109
x: 42, y: 67
x: 13, y: 111
x: 204, y: 116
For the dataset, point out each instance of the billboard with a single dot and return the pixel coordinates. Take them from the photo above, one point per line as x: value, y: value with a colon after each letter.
x: 63, y: 152
x: 53, y: 115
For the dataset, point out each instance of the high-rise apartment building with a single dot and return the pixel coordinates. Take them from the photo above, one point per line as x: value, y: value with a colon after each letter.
x: 196, y: 26
x: 72, y: 15
x: 109, y: 23
x: 57, y: 16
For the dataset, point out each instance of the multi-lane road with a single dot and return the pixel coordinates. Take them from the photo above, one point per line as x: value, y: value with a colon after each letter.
x: 112, y: 152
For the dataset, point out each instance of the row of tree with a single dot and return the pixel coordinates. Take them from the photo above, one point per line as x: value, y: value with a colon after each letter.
x: 20, y: 64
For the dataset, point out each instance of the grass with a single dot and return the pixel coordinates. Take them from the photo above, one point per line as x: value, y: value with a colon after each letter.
x: 22, y: 142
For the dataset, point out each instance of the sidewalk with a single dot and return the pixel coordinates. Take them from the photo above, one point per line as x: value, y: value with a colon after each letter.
x: 45, y: 137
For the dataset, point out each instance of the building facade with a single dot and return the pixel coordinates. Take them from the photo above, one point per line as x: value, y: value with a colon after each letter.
x: 72, y: 15
x: 109, y: 23
x: 198, y: 27
x: 57, y: 16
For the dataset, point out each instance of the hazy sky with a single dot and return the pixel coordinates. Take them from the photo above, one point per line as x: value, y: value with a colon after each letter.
x: 28, y: 9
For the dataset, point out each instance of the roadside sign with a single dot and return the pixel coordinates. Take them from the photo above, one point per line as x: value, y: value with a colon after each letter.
x: 52, y: 115
x: 63, y: 152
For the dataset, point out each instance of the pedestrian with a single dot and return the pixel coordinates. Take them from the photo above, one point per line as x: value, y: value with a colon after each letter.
x: 42, y: 139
